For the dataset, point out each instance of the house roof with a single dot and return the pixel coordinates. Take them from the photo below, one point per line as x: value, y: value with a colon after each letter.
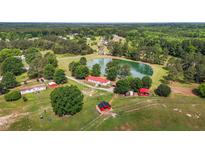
x: 143, y: 90
x: 52, y: 84
x: 32, y: 87
x: 98, y: 79
x: 104, y: 104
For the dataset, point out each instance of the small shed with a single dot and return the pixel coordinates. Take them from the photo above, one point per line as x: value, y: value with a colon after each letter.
x: 52, y: 85
x: 103, y: 107
x: 143, y: 92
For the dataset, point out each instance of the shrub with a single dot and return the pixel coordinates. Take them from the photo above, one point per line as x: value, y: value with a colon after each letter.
x: 147, y: 82
x: 201, y: 90
x: 12, y: 96
x: 163, y: 90
x: 25, y: 99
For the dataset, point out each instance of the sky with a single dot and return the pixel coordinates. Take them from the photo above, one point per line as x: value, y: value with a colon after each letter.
x: 102, y: 11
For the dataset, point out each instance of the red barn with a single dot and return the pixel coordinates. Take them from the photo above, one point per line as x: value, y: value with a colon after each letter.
x: 143, y: 92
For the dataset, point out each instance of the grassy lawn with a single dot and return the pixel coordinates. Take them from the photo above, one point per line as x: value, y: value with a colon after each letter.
x: 157, y: 117
x: 133, y: 113
x: 177, y: 112
x: 36, y: 105
x: 157, y: 76
x: 158, y: 73
x: 22, y: 77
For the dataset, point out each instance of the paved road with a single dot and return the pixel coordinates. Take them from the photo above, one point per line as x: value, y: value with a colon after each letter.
x: 87, y: 85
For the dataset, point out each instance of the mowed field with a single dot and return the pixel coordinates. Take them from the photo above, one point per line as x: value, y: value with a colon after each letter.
x: 129, y: 113
x: 177, y: 112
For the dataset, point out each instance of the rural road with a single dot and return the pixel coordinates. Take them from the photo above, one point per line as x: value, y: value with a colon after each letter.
x: 87, y: 85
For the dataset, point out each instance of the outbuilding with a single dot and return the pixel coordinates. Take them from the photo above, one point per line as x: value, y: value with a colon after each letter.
x: 52, y: 85
x: 104, y: 106
x: 143, y: 92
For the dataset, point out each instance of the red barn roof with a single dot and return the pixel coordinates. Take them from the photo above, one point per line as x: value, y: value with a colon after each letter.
x: 52, y: 85
x: 97, y: 79
x: 143, y: 90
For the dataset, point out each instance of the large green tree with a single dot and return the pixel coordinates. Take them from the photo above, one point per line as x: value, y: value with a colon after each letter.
x: 83, y: 61
x: 96, y: 70
x: 36, y: 67
x: 13, y: 65
x: 50, y: 58
x: 6, y: 53
x: 146, y: 82
x: 31, y: 54
x: 112, y: 70
x: 135, y: 83
x: 124, y: 71
x: 9, y: 80
x: 59, y: 76
x: 49, y: 71
x: 112, y: 73
x: 122, y: 86
x: 72, y: 67
x: 81, y: 72
x: 66, y: 100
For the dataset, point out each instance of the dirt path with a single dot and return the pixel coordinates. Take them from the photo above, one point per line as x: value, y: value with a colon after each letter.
x: 183, y: 90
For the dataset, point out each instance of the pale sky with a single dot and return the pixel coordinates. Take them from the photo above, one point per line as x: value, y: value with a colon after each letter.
x: 102, y: 11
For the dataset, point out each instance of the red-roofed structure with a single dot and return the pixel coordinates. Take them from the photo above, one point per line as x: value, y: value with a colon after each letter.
x: 52, y: 85
x: 98, y: 80
x: 143, y: 92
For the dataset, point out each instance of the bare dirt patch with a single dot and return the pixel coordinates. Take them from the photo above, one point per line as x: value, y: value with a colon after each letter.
x: 5, y: 121
x: 186, y: 90
x: 183, y: 90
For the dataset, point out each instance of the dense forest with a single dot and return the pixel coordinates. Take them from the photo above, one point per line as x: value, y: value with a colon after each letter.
x: 179, y: 47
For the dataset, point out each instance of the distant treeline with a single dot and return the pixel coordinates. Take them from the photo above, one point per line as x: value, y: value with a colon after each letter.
x: 153, y: 43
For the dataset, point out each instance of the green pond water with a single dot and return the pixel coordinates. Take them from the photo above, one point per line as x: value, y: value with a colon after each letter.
x: 137, y: 69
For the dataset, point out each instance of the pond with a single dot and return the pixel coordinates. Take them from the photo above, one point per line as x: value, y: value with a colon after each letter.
x: 137, y: 69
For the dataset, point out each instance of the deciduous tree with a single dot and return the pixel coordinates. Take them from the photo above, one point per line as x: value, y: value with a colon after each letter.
x: 66, y: 100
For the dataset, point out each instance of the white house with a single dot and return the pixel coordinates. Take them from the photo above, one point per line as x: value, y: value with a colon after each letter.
x: 33, y: 89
